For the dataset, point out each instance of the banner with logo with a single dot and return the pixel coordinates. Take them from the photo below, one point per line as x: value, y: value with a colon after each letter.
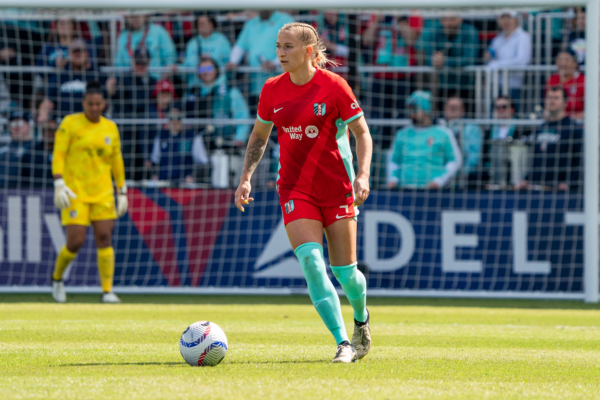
x: 418, y: 240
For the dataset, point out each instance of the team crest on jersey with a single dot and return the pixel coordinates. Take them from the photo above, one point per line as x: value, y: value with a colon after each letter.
x: 73, y: 214
x: 430, y: 141
x: 320, y: 109
x: 311, y: 131
x: 289, y: 206
x: 107, y: 140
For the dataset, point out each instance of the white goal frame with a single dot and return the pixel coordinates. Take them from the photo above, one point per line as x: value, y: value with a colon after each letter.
x: 592, y: 91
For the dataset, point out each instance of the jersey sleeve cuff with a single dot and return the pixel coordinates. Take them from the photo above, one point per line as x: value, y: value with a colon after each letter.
x: 262, y: 120
x: 360, y: 114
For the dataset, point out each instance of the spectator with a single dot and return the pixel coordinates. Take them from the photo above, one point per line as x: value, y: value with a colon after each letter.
x: 66, y: 88
x: 213, y: 99
x: 38, y: 162
x: 577, y: 36
x: 470, y: 139
x: 395, y: 48
x: 574, y: 82
x: 176, y: 151
x: 424, y: 155
x: 208, y: 43
x: 257, y: 40
x: 334, y: 34
x: 55, y: 52
x: 451, y: 43
x: 511, y: 48
x: 164, y: 94
x: 139, y: 33
x: 12, y: 154
x: 557, y: 148
x: 131, y: 93
x: 500, y: 136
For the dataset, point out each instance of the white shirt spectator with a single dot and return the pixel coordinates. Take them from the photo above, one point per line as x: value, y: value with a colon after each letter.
x: 509, y: 51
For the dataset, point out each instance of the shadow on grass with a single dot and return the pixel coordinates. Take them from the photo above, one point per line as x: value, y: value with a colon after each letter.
x: 183, y: 364
x: 303, y: 300
x: 124, y: 363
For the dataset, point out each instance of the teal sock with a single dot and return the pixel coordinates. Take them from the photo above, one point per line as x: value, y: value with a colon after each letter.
x: 354, y: 285
x: 321, y: 290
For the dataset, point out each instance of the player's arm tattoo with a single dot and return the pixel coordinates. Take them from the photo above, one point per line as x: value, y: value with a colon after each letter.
x: 254, y: 152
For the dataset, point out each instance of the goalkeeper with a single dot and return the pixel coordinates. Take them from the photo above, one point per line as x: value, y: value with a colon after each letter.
x: 87, y: 156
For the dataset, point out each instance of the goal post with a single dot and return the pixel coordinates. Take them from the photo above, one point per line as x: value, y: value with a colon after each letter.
x: 265, y: 258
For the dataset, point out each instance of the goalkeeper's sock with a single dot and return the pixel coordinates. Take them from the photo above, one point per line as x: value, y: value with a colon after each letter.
x: 106, y: 268
x: 354, y: 285
x: 321, y: 290
x: 63, y: 259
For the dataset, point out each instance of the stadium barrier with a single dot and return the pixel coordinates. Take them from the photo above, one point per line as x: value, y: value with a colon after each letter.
x: 434, y: 243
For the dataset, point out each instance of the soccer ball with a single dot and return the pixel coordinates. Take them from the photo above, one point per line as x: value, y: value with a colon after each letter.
x: 203, y: 344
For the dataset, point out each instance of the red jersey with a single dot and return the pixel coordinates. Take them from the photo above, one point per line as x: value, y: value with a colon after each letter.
x: 575, y: 89
x: 315, y: 161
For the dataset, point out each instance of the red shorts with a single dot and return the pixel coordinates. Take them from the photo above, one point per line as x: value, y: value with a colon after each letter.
x: 298, y: 209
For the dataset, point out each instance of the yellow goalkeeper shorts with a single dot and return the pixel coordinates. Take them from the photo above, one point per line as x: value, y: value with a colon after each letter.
x: 81, y: 213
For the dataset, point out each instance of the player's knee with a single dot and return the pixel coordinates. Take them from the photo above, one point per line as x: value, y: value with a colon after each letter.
x: 103, y: 239
x: 345, y: 274
x: 75, y: 243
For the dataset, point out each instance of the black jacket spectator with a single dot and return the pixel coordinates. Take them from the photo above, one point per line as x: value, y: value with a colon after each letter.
x: 558, y: 154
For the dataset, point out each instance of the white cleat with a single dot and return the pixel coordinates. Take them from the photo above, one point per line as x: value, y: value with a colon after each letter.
x: 361, y: 339
x: 58, y: 291
x: 345, y: 354
x: 110, y: 297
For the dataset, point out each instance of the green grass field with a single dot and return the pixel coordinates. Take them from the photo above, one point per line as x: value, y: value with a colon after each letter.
x: 279, y: 349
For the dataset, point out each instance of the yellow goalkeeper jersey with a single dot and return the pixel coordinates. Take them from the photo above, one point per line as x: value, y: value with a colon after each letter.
x: 88, y: 156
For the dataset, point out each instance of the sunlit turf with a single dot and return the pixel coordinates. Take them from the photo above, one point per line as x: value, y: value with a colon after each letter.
x: 279, y: 349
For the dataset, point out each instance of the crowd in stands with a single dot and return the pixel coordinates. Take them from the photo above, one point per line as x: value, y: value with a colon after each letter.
x: 201, y: 78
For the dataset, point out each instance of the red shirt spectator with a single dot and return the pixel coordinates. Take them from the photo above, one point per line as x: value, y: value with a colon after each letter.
x: 572, y: 80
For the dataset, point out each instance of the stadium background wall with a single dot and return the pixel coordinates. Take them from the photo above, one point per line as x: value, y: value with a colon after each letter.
x: 494, y: 244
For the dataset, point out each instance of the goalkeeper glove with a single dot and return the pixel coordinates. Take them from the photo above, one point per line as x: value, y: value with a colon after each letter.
x: 122, y: 201
x: 62, y: 193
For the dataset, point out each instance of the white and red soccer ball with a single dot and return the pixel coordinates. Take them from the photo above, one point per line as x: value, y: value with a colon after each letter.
x: 203, y: 344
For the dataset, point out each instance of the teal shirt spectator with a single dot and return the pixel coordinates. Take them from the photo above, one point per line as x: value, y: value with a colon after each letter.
x: 226, y: 103
x: 425, y: 155
x: 459, y: 51
x: 158, y: 43
x: 390, y: 42
x: 257, y: 40
x: 216, y: 46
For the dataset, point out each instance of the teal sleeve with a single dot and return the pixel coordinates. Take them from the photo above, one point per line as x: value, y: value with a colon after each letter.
x: 191, y: 53
x: 384, y: 53
x: 240, y: 111
x: 122, y: 58
x: 425, y: 44
x: 448, y: 152
x: 168, y: 56
x: 470, y: 49
x: 397, y: 154
x: 242, y: 40
x: 224, y: 51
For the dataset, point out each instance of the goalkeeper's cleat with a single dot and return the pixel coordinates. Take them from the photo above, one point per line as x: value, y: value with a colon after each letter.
x: 346, y: 353
x: 58, y: 291
x: 110, y: 297
x: 361, y: 338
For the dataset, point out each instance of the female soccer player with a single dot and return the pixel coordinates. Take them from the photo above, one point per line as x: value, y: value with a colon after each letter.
x: 318, y: 191
x: 87, y: 156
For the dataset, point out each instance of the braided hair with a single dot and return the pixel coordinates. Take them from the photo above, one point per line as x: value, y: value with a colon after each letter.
x: 309, y: 36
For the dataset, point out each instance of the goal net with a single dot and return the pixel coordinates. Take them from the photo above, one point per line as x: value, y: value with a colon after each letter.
x: 477, y: 118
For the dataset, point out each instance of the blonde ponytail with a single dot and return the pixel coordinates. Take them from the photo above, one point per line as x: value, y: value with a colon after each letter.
x: 309, y: 36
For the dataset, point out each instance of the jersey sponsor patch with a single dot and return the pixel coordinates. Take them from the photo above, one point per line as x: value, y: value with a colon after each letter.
x: 289, y: 206
x: 73, y: 214
x: 107, y: 140
x: 311, y: 131
x: 319, y: 109
x: 430, y: 141
x: 354, y: 105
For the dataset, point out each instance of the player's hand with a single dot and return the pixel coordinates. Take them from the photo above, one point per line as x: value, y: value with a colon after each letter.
x: 62, y: 193
x: 122, y: 202
x: 361, y: 190
x: 242, y: 195
x: 434, y: 185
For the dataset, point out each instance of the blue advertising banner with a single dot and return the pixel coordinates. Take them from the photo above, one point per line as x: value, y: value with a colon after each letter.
x: 417, y: 240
